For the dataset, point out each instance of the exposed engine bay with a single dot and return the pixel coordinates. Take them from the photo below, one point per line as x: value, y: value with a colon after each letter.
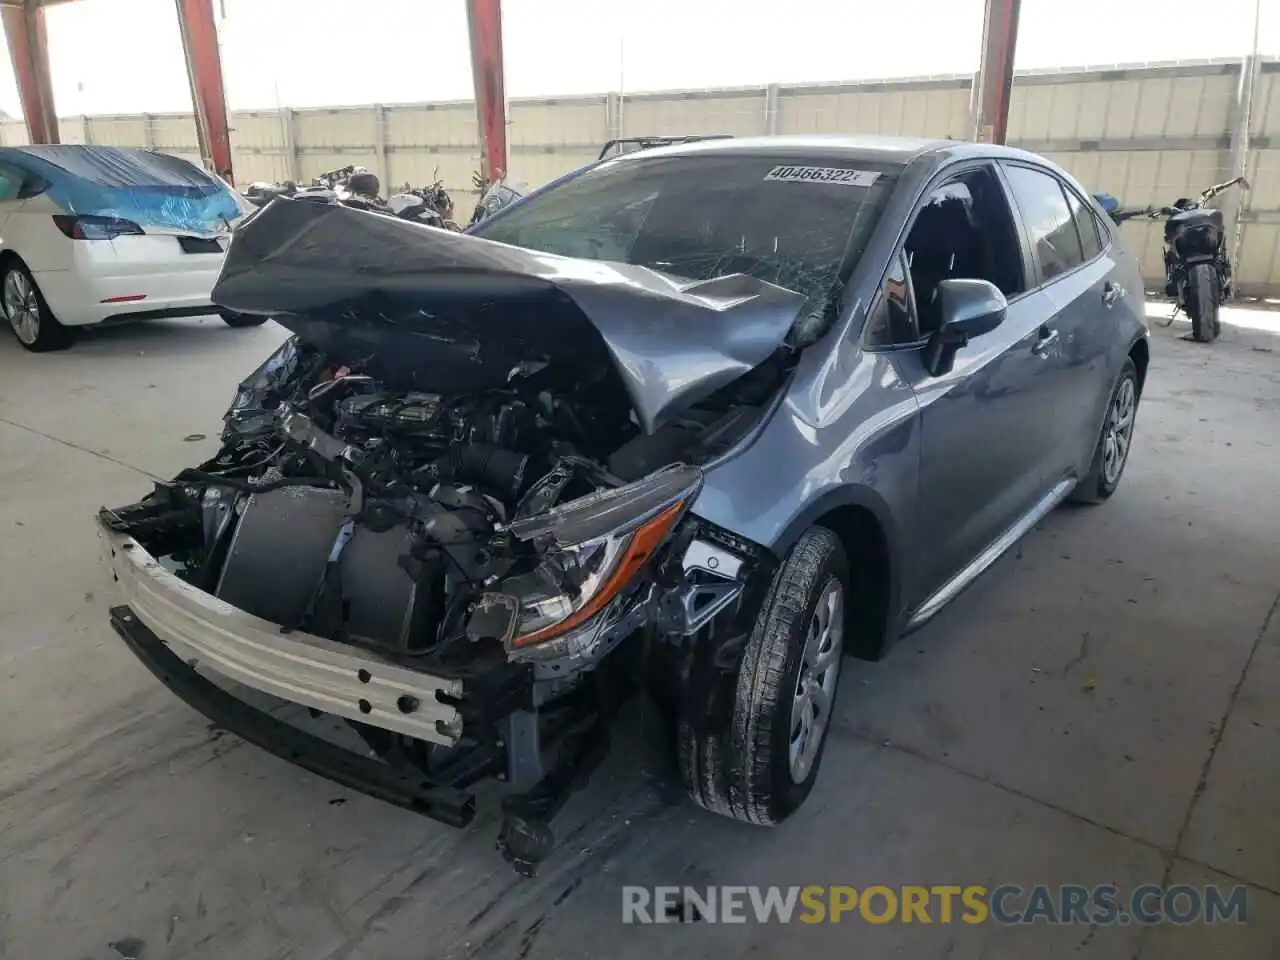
x: 385, y: 518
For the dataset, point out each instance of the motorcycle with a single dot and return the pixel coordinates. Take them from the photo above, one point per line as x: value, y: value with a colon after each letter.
x: 335, y: 185
x: 329, y: 186
x: 260, y: 193
x: 494, y: 196
x: 1196, y: 261
x: 356, y: 187
x: 1111, y: 207
x: 430, y: 205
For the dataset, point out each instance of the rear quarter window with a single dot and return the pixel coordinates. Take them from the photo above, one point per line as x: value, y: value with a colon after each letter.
x: 1092, y: 239
x: 1042, y: 201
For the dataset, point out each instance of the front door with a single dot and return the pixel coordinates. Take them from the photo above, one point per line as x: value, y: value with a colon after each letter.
x: 987, y: 426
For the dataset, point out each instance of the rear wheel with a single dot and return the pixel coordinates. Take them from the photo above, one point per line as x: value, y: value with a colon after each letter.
x: 32, y: 321
x: 233, y: 319
x: 1202, y: 302
x: 1112, y: 451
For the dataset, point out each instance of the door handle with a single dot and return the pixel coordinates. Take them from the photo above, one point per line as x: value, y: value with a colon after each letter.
x: 1111, y: 292
x: 1048, y: 338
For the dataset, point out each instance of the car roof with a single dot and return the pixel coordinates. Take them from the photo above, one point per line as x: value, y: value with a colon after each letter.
x: 899, y: 150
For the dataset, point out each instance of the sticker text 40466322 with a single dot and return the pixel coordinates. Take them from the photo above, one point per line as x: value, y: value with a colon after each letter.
x: 852, y: 178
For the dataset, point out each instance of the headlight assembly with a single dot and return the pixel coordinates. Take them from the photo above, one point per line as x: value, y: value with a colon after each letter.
x: 592, y: 550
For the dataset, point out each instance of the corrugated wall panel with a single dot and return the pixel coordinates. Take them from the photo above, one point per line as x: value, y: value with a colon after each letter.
x: 449, y: 125
x: 1121, y: 114
x: 541, y: 167
x: 118, y: 131
x: 176, y: 133
x: 918, y: 112
x: 1265, y: 116
x: 558, y: 122
x: 1259, y: 255
x: 1153, y: 116
x: 71, y: 129
x: 262, y: 130
x: 1200, y: 106
x: 418, y: 168
x: 13, y: 133
x: 1044, y: 111
x: 335, y: 128
x: 810, y: 113
x: 267, y: 167
x: 686, y: 114
x: 1071, y: 109
x: 1264, y: 180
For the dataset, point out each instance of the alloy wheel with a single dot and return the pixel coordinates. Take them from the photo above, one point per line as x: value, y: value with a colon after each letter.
x: 816, y: 683
x: 1118, y: 431
x: 21, y: 306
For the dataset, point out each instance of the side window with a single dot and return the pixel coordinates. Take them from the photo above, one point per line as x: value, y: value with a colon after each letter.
x: 893, y: 319
x: 11, y: 179
x: 1086, y: 226
x: 964, y: 229
x: 1050, y: 226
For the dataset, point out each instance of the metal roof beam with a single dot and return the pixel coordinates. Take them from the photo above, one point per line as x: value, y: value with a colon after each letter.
x: 28, y: 39
x: 204, y: 71
x: 484, y: 17
x: 994, y: 86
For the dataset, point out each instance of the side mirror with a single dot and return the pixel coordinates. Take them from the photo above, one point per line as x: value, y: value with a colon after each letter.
x: 970, y: 308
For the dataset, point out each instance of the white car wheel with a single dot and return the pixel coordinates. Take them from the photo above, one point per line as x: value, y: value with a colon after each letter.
x: 28, y: 314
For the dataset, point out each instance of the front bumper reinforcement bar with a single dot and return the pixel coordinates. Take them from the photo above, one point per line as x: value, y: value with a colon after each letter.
x: 404, y: 788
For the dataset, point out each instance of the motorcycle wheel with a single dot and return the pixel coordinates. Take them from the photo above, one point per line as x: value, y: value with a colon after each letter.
x: 1202, y: 302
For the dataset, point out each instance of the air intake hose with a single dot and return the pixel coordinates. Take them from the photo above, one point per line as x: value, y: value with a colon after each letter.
x: 498, y: 470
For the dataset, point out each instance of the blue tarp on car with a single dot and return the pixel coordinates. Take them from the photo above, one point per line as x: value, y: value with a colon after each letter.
x: 151, y: 189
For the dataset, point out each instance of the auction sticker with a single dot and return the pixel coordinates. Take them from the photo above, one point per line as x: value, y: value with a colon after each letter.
x: 852, y: 178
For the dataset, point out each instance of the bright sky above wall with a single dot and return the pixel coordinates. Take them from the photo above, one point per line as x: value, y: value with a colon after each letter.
x: 125, y: 56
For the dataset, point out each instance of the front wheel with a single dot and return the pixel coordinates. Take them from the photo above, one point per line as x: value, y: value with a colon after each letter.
x: 233, y: 319
x: 761, y: 767
x: 1202, y: 302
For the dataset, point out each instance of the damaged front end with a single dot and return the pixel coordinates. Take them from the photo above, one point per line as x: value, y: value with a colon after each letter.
x: 443, y: 508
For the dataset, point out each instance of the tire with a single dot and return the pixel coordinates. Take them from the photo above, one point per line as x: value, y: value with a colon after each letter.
x: 746, y: 771
x: 1104, y: 476
x: 1202, y: 302
x: 237, y: 320
x: 35, y: 326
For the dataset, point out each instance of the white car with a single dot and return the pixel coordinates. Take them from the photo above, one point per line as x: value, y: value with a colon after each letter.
x: 92, y: 235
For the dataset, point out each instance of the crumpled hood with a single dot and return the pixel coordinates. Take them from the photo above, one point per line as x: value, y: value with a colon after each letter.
x: 435, y: 310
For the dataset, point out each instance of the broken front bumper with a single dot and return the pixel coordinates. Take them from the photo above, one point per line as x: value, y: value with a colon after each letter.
x: 200, y: 630
x: 404, y: 788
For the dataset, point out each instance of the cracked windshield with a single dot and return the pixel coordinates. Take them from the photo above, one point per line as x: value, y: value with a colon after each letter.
x: 789, y: 222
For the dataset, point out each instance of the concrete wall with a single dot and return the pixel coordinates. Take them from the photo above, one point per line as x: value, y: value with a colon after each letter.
x: 1146, y: 134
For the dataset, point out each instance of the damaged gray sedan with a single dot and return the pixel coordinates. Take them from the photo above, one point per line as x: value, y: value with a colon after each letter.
x: 694, y: 423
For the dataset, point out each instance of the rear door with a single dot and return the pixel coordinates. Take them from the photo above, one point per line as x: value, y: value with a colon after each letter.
x: 1083, y: 284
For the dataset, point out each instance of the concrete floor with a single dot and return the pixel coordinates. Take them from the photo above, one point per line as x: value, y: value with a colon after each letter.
x: 979, y: 752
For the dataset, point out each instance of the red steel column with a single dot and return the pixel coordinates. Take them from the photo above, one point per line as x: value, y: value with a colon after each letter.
x: 29, y: 51
x: 204, y: 70
x: 995, y: 71
x: 485, y: 20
